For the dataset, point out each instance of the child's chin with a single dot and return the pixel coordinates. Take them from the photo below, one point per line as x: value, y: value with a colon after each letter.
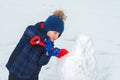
x: 52, y: 40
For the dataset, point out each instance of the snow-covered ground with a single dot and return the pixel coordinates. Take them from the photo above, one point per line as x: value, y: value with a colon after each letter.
x: 100, y: 20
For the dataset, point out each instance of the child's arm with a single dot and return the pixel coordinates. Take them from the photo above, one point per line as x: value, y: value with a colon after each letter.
x: 48, y: 46
x: 58, y: 52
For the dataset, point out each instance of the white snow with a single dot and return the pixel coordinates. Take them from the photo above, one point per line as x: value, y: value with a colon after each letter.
x: 80, y: 63
x: 99, y: 20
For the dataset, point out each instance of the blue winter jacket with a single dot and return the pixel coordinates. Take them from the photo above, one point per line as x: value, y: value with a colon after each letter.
x: 26, y: 60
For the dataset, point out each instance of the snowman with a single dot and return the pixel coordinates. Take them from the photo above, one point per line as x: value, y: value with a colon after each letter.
x: 79, y: 64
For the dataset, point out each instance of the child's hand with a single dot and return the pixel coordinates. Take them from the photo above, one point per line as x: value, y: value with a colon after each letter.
x: 49, y: 45
x: 58, y: 52
x: 62, y: 53
x: 55, y: 52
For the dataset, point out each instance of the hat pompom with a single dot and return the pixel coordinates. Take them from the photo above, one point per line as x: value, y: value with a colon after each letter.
x: 60, y: 14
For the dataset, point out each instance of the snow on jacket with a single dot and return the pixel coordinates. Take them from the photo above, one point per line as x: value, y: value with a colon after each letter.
x: 26, y: 60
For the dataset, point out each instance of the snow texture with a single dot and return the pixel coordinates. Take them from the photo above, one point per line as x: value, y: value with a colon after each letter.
x: 80, y: 63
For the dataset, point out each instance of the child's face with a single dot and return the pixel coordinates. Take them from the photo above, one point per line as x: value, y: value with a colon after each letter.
x: 53, y: 35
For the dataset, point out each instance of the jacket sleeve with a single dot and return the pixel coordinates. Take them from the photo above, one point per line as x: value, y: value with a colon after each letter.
x: 44, y: 59
x: 30, y: 33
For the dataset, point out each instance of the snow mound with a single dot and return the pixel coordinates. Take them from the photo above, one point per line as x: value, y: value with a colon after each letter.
x: 79, y: 64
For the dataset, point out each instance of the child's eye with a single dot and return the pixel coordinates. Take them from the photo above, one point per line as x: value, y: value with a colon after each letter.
x: 56, y: 33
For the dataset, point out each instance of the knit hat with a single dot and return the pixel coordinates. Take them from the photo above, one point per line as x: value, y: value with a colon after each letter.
x: 54, y: 23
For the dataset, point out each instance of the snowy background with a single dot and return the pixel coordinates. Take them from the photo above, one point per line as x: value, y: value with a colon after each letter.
x: 98, y: 19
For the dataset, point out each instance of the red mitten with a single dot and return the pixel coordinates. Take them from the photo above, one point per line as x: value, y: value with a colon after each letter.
x: 62, y: 53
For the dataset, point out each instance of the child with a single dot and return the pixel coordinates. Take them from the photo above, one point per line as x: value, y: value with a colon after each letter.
x: 36, y: 47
